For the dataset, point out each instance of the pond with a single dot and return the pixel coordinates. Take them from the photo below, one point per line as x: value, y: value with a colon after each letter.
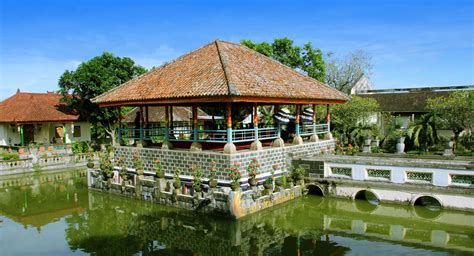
x: 55, y: 214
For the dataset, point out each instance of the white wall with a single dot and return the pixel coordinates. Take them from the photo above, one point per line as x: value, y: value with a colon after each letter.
x: 6, y: 133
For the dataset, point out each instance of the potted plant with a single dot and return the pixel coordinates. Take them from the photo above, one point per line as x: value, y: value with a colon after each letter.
x: 252, y: 171
x: 176, y: 178
x: 268, y: 183
x: 137, y: 163
x: 160, y: 173
x: 106, y: 169
x: 235, y: 176
x: 90, y: 160
x: 298, y: 173
x: 197, y: 177
x: 212, y: 175
x: 123, y: 170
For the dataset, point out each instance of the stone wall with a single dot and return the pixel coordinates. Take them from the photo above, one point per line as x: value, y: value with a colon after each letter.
x: 183, y: 159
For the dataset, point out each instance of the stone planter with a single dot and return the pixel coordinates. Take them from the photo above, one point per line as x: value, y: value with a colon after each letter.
x: 235, y: 186
x: 253, y: 182
x: 213, y: 183
x: 267, y: 185
x: 367, y: 141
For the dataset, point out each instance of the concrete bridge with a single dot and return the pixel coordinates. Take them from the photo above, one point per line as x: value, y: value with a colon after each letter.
x: 427, y: 182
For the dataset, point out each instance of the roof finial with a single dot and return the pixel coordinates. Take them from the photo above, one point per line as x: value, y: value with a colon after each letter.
x: 18, y: 90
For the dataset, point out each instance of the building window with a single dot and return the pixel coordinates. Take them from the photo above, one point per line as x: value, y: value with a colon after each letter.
x: 77, y: 131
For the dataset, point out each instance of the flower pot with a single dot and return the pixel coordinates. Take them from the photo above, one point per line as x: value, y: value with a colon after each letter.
x: 235, y: 186
x: 213, y: 183
x: 90, y: 165
x: 400, y: 147
x: 367, y: 141
x: 176, y: 184
x: 267, y: 185
x: 401, y: 140
x: 253, y: 182
x: 449, y: 144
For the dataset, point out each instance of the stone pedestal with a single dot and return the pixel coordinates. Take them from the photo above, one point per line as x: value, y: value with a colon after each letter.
x: 256, y: 145
x: 366, y: 149
x: 196, y: 146
x: 166, y: 145
x: 297, y: 140
x: 328, y: 136
x: 278, y: 143
x: 230, y: 148
x: 448, y: 152
x: 314, y: 138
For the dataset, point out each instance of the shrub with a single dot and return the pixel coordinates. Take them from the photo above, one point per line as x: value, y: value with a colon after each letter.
x: 252, y: 169
x: 80, y: 147
x: 213, y: 171
x: 234, y: 173
x: 10, y: 156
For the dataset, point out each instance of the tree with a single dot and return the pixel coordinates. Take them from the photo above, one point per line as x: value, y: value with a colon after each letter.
x: 353, y: 115
x: 343, y: 74
x: 423, y: 131
x: 92, y: 78
x: 456, y: 111
x: 307, y: 59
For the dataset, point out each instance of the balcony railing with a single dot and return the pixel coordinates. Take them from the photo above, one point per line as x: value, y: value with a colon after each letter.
x: 307, y: 129
x: 179, y: 134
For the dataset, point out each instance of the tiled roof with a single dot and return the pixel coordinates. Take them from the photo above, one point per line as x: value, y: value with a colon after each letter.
x: 223, y: 71
x: 34, y: 107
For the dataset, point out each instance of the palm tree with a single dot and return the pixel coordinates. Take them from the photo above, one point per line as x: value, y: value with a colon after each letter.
x: 423, y: 131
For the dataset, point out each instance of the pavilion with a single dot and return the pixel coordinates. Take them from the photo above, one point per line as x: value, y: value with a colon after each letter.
x: 229, y: 80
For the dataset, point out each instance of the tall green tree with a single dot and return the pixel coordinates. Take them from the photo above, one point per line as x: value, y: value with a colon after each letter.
x: 456, y: 111
x: 306, y: 59
x: 353, y: 115
x: 92, y: 78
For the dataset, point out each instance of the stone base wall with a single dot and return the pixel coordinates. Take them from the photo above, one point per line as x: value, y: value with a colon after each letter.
x: 220, y: 200
x: 184, y: 159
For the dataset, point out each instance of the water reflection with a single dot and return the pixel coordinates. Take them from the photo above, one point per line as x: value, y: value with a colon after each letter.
x: 103, y: 224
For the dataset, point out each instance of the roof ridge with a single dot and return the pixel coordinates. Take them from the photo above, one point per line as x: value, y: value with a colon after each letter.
x: 288, y: 67
x: 229, y: 89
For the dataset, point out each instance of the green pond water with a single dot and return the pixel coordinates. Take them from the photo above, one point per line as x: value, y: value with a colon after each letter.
x: 55, y: 214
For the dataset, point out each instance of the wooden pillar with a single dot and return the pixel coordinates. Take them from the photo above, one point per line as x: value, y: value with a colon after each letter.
x: 229, y: 147
x: 314, y: 119
x: 328, y: 116
x: 255, y: 120
x: 256, y: 144
x: 119, y: 130
x: 141, y: 124
x: 171, y: 119
x: 229, y: 122
x: 64, y: 133
x: 276, y: 109
x: 167, y: 123
x: 297, y: 140
x: 297, y: 120
x: 195, y: 123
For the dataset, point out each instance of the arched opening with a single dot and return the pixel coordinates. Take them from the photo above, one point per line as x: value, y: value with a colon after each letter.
x: 368, y: 196
x: 427, y: 207
x: 315, y: 190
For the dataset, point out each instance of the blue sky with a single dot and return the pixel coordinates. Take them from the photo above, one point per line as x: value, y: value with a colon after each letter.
x: 412, y: 43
